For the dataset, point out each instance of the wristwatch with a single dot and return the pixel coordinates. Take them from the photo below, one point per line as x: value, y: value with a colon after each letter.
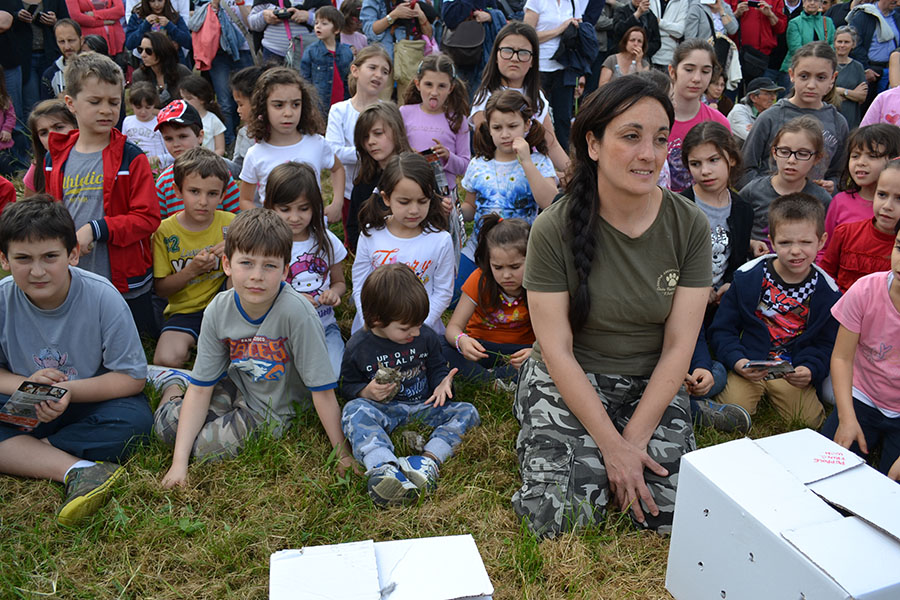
x: 390, y: 20
x: 845, y: 92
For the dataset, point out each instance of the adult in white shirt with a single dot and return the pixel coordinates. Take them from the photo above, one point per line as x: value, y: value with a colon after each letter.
x: 551, y: 18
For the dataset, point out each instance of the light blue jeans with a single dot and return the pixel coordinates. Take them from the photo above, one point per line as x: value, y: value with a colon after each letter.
x: 367, y: 425
x: 335, y: 344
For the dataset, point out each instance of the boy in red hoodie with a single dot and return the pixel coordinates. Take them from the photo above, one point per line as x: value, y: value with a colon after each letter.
x: 106, y: 184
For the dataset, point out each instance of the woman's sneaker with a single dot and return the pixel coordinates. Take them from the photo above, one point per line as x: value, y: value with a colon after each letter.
x: 726, y: 418
x: 421, y: 471
x: 87, y: 489
x: 388, y: 485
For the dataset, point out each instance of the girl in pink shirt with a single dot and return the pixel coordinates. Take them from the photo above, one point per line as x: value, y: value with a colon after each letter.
x: 865, y: 367
x: 868, y: 151
x: 434, y: 110
x: 691, y: 69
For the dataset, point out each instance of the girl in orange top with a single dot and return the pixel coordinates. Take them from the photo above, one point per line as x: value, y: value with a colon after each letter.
x: 489, y: 335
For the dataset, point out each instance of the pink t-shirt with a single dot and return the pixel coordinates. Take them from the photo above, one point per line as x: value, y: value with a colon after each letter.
x: 867, y: 309
x: 846, y: 207
x: 28, y: 180
x: 680, y: 175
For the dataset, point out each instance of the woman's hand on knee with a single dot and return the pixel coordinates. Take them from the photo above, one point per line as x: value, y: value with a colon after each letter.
x: 625, y: 466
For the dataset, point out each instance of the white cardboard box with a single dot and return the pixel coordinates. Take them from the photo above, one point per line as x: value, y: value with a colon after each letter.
x: 758, y: 520
x: 436, y: 568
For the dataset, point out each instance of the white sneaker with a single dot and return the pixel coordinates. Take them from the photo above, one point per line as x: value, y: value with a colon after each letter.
x: 162, y: 377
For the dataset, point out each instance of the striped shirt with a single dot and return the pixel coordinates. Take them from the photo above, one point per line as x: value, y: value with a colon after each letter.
x: 170, y: 203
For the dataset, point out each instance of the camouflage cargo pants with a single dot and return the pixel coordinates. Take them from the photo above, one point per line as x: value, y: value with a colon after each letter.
x: 229, y: 423
x: 564, y: 481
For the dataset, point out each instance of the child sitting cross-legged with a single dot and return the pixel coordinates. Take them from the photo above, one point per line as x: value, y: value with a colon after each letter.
x: 69, y: 328
x: 261, y: 350
x: 779, y: 308
x: 393, y: 373
x: 187, y: 253
x: 489, y: 335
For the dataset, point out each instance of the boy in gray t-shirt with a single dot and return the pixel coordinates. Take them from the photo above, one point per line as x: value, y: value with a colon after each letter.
x: 264, y: 342
x: 64, y: 327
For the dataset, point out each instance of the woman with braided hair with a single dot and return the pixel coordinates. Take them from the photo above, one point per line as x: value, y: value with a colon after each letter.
x: 618, y: 274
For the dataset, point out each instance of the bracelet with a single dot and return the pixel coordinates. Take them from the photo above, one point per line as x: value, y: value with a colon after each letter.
x: 457, y: 341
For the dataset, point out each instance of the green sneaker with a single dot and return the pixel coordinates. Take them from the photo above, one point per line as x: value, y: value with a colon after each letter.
x: 87, y: 489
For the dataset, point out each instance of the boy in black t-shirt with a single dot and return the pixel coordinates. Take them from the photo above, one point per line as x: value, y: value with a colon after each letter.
x: 393, y: 372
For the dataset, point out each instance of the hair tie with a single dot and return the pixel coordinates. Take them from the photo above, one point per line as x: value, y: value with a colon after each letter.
x: 499, y: 219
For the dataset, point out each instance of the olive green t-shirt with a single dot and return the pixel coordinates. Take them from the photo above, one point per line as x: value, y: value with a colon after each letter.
x: 631, y: 283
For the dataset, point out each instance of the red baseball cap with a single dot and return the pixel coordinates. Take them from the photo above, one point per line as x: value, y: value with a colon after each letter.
x: 179, y: 112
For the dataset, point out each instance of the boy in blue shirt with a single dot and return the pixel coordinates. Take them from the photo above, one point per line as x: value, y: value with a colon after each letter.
x: 62, y: 326
x: 326, y: 62
x: 779, y: 308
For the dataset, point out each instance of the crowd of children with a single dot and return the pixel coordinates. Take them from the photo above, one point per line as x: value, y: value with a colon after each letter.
x: 153, y: 232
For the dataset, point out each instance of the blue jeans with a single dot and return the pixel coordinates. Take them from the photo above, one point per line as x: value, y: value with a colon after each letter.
x: 366, y: 425
x: 93, y: 430
x: 877, y: 429
x: 561, y: 98
x: 335, y: 344
x: 478, y: 371
x: 220, y: 73
x: 31, y: 88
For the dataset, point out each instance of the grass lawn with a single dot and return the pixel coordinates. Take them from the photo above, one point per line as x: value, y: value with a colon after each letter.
x: 213, y: 539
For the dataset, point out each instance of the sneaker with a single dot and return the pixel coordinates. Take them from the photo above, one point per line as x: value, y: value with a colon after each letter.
x: 162, y: 377
x: 421, y: 471
x: 87, y: 489
x: 388, y: 485
x: 727, y: 418
x: 503, y: 386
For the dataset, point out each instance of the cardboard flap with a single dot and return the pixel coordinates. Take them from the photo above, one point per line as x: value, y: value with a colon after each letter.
x: 339, y: 572
x: 809, y: 456
x: 867, y: 493
x: 835, y: 547
x: 436, y: 568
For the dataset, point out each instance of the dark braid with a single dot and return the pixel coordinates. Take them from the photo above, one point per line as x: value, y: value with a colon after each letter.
x: 583, y: 217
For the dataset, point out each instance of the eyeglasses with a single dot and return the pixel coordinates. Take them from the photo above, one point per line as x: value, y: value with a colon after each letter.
x: 785, y: 152
x: 522, y: 55
x: 147, y: 51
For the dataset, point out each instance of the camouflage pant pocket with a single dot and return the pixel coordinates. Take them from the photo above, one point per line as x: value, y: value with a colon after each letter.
x: 544, y: 496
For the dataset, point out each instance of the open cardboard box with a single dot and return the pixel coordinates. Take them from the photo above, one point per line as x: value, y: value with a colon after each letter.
x: 792, y: 516
x: 436, y: 568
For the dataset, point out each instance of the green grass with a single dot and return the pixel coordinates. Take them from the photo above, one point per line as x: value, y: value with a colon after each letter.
x: 213, y: 539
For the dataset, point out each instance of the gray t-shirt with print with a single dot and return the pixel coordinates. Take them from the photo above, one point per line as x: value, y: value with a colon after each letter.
x: 89, y: 334
x: 719, y: 236
x: 272, y: 360
x: 83, y: 198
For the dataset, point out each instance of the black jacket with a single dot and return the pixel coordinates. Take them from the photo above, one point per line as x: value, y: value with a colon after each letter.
x: 740, y: 223
x: 623, y: 19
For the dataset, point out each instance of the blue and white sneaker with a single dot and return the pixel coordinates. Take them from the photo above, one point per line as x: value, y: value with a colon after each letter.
x: 163, y: 377
x: 420, y: 470
x: 387, y: 485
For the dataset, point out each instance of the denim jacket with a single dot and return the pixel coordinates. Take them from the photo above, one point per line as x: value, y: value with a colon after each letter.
x: 317, y: 67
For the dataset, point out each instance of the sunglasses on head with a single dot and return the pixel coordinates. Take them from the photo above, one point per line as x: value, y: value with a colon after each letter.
x: 147, y: 51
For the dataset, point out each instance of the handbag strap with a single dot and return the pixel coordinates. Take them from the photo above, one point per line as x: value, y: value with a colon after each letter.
x: 239, y: 23
x: 287, y: 27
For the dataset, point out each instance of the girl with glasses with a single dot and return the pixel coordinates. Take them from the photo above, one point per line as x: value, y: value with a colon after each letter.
x: 798, y: 146
x: 513, y: 65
